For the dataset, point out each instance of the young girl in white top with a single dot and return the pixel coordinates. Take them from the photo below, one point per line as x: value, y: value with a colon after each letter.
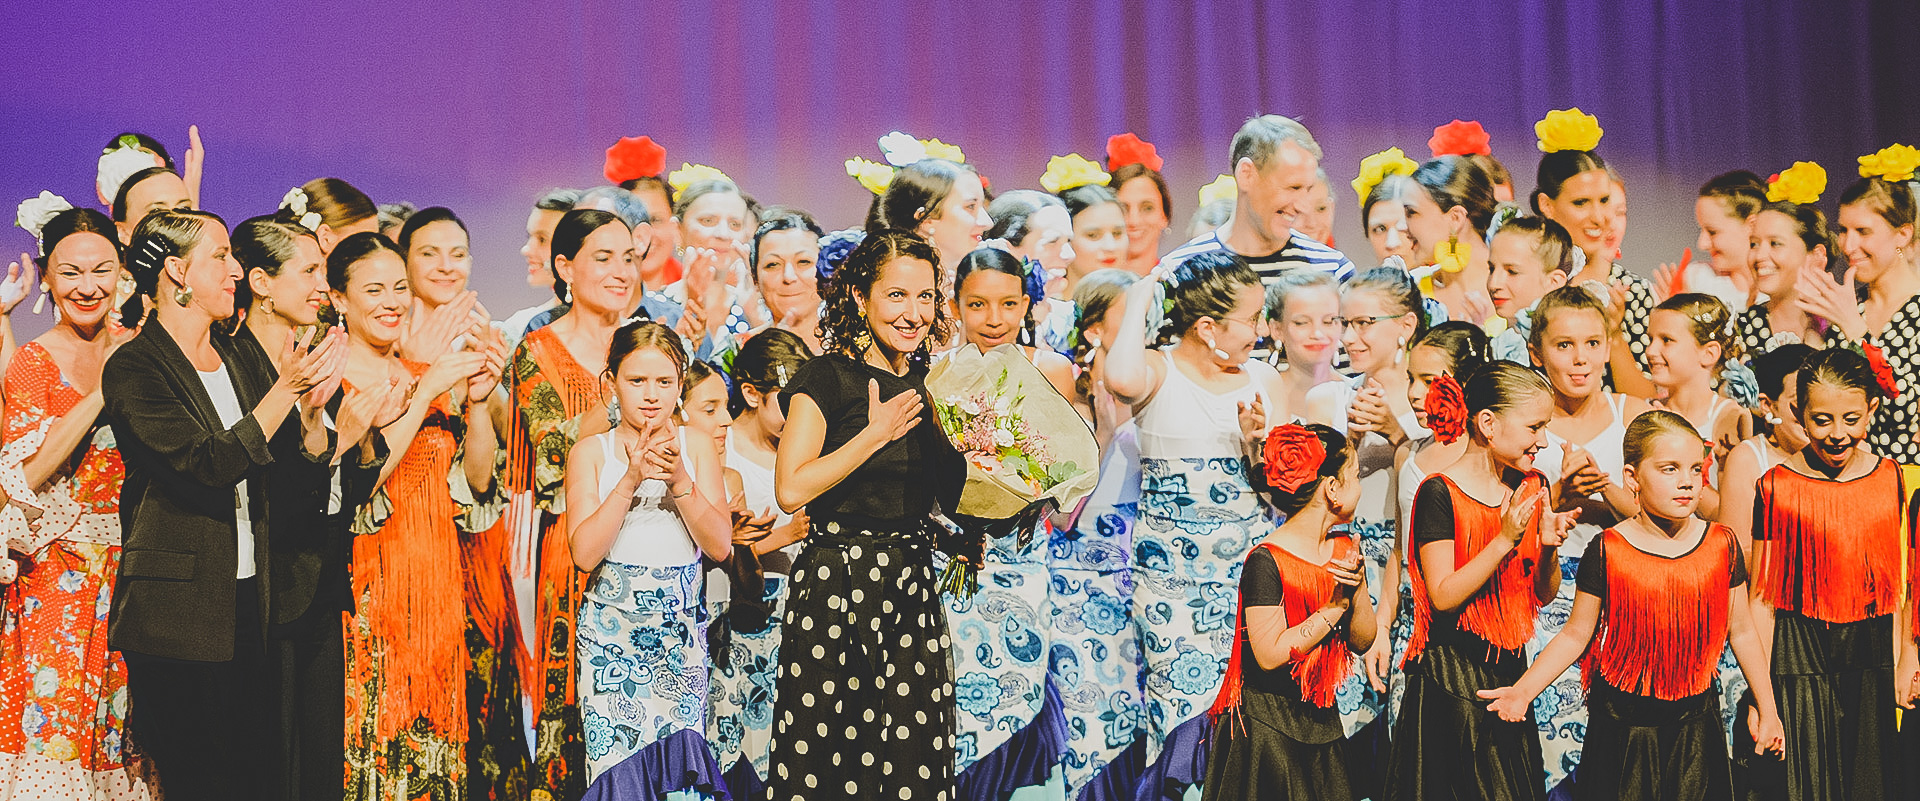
x: 648, y: 502
x: 1689, y: 337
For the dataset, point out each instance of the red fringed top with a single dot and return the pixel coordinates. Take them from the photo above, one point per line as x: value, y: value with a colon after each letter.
x: 1665, y: 623
x: 1307, y: 588
x: 1830, y: 550
x: 1502, y: 612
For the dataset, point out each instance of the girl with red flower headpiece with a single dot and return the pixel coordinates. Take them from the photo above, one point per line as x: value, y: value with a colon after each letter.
x: 1484, y: 563
x: 1659, y: 598
x: 1144, y: 200
x: 1304, y: 613
x: 1828, y: 546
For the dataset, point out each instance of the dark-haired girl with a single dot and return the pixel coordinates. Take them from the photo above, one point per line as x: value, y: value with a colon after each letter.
x: 1303, y: 308
x: 647, y: 501
x: 1789, y: 240
x: 1099, y: 231
x: 65, y: 705
x: 407, y: 656
x: 1575, y: 189
x: 338, y: 210
x: 745, y: 672
x: 553, y: 381
x: 1383, y: 313
x: 1304, y: 613
x: 445, y: 313
x: 1449, y: 205
x: 1482, y: 565
x: 1196, y: 402
x: 1878, y: 235
x: 198, y: 420
x: 1660, y: 595
x: 1035, y: 225
x: 864, y: 704
x: 1000, y: 646
x: 941, y: 201
x: 1827, y: 555
x: 145, y: 192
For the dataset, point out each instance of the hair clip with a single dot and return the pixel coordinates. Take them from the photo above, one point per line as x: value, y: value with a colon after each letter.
x: 781, y: 370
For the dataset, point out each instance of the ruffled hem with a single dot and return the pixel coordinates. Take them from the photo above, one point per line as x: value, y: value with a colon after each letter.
x: 743, y: 780
x: 37, y: 776
x: 1116, y: 781
x: 1026, y: 759
x: 680, y: 761
x: 1182, y: 763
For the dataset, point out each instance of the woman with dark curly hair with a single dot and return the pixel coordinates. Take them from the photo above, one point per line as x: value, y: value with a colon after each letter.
x: 864, y: 701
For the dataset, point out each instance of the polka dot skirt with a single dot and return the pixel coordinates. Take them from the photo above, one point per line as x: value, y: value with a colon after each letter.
x: 863, y: 706
x: 1894, y: 431
x: 1639, y: 307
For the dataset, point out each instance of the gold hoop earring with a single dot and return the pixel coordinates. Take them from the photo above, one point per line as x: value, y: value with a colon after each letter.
x: 266, y: 305
x: 183, y: 295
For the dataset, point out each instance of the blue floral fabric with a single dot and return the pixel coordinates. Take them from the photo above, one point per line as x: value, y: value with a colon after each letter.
x: 1094, y: 659
x: 999, y: 648
x: 643, y: 659
x: 742, y: 687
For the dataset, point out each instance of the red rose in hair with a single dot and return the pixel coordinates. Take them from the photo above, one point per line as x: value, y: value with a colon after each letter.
x: 1294, y: 456
x: 1124, y: 149
x: 1460, y: 138
x: 1882, y: 372
x: 1446, y: 410
x: 634, y: 157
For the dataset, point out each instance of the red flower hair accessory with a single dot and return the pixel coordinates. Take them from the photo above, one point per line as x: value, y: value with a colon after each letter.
x: 1446, y: 410
x: 1124, y: 149
x: 1460, y: 138
x: 1294, y: 456
x: 634, y: 157
x: 1882, y: 371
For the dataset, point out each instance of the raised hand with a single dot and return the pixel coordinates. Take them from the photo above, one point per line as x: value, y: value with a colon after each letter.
x: 19, y: 280
x: 1253, y: 419
x: 1516, y: 515
x: 430, y: 333
x: 361, y: 410
x: 311, y: 360
x: 195, y: 164
x: 1554, y: 527
x: 493, y: 346
x: 401, y: 384
x: 1346, y: 571
x: 661, y: 456
x: 892, y: 419
x: 1667, y: 281
x: 1507, y: 703
x: 1834, y: 301
x: 449, y: 370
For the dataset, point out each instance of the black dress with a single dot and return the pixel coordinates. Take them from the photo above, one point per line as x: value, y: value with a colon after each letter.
x: 1446, y: 744
x: 864, y: 705
x: 1277, y: 745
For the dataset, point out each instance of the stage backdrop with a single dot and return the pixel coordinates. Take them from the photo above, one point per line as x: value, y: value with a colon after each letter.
x: 479, y: 106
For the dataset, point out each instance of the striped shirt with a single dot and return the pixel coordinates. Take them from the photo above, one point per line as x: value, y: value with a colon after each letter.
x: 1300, y: 251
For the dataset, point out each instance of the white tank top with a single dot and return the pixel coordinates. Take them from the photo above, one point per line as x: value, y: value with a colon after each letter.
x: 652, y: 533
x: 1606, y: 450
x: 1185, y: 421
x: 755, y: 481
x: 1409, y: 482
x: 1378, y: 484
x: 1764, y: 453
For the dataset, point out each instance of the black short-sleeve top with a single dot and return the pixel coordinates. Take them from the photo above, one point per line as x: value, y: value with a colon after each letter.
x: 907, y: 476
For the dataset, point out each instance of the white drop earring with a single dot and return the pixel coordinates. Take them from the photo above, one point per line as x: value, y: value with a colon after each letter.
x: 1400, y: 351
x: 1217, y: 352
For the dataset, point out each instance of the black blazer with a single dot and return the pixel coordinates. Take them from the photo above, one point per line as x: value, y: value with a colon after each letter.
x: 176, y: 589
x: 312, y: 550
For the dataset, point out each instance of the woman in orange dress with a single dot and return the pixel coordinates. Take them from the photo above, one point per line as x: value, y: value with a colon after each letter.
x: 63, y: 696
x: 555, y: 385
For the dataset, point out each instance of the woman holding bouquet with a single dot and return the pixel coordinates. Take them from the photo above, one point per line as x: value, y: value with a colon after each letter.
x: 1196, y: 401
x: 864, y: 702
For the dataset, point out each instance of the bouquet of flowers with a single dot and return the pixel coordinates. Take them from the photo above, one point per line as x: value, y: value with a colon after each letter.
x: 1025, y: 446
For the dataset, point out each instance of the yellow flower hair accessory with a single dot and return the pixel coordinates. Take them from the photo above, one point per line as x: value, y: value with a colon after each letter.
x: 690, y: 174
x: 1801, y: 183
x: 937, y: 149
x: 1069, y: 171
x: 1376, y: 168
x: 1891, y: 163
x: 1568, y: 129
x: 1222, y: 188
x: 871, y: 174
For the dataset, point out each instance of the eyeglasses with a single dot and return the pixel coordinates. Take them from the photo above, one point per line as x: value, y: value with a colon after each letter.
x: 1361, y: 324
x: 1253, y: 323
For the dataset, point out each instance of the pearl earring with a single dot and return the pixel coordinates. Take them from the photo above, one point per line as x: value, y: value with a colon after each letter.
x: 1400, y: 351
x: 1217, y: 352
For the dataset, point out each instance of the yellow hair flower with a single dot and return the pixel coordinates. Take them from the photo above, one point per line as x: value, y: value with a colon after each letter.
x: 690, y: 174
x: 1892, y: 163
x: 1568, y: 129
x: 1376, y: 168
x: 1071, y: 170
x: 1222, y: 188
x: 1801, y: 183
x: 871, y: 174
x: 937, y: 149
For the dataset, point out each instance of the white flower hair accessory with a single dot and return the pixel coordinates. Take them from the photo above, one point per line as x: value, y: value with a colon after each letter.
x: 295, y: 202
x: 35, y: 212
x: 118, y: 164
x: 901, y: 149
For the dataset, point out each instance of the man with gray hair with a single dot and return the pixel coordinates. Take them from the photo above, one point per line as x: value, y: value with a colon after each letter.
x: 1275, y: 163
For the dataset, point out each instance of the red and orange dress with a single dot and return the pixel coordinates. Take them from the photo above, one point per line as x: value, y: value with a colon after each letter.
x: 1445, y: 744
x: 550, y: 390
x: 63, y: 694
x: 1829, y: 564
x: 1282, y: 737
x: 407, y: 656
x: 1654, y: 727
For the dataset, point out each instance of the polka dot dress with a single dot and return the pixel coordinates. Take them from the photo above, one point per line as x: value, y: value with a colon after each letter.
x: 864, y: 704
x: 1639, y: 307
x: 1893, y: 433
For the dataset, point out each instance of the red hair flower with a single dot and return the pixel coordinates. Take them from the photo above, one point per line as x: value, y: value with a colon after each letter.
x: 1460, y: 138
x: 1124, y: 149
x: 634, y: 157
x: 1446, y: 410
x: 1294, y: 456
x: 1882, y: 371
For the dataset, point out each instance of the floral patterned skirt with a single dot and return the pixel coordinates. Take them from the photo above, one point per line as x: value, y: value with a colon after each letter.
x: 999, y: 649
x: 421, y: 762
x: 1094, y: 660
x: 742, y: 727
x: 63, y: 694
x: 643, y: 660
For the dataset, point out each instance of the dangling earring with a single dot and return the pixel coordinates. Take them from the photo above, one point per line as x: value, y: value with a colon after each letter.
x: 40, y: 303
x: 1280, y: 359
x: 1217, y: 352
x: 183, y: 295
x: 266, y: 305
x: 1400, y: 351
